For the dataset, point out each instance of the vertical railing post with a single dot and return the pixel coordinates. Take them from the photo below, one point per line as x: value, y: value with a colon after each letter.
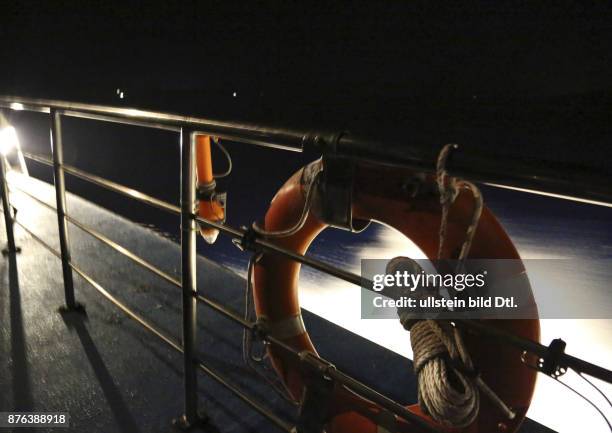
x: 11, y: 248
x: 191, y: 417
x: 57, y: 152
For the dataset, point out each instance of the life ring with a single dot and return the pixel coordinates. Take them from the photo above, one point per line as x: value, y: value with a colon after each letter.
x: 380, y: 194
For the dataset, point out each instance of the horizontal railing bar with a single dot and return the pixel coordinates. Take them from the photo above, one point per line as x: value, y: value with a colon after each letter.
x: 536, y: 348
x: 266, y: 412
x: 125, y: 309
x: 105, y: 240
x: 313, y: 263
x: 39, y: 158
x: 38, y: 239
x: 232, y: 315
x: 152, y: 268
x: 18, y: 106
x: 102, y: 291
x: 382, y: 400
x: 282, y: 138
x: 109, y: 184
x: 130, y: 192
x: 138, y: 260
x: 247, y: 398
x: 127, y: 253
x: 119, y: 120
x: 224, y: 228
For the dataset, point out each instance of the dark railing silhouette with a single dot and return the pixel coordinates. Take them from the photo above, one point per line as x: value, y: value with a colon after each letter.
x: 292, y: 140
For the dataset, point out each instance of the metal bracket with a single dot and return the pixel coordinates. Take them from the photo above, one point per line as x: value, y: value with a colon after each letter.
x: 333, y: 194
x: 207, y: 192
x: 6, y: 251
x: 248, y: 240
x: 183, y: 425
x: 551, y: 363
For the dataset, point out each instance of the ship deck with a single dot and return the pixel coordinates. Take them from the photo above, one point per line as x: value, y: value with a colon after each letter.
x: 103, y: 368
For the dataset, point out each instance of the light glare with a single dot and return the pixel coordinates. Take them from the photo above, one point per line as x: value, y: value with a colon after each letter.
x: 8, y: 139
x: 17, y: 106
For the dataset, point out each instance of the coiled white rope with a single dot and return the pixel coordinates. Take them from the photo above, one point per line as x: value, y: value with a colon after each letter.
x: 446, y: 394
x: 449, y: 387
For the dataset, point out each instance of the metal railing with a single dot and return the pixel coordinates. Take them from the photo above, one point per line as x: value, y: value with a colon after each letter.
x: 187, y: 128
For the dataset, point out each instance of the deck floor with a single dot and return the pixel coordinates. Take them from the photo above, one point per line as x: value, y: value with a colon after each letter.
x: 103, y: 368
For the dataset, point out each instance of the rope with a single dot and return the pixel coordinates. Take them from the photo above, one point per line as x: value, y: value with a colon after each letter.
x: 250, y: 359
x: 305, y: 210
x: 449, y: 386
x: 448, y: 193
x: 471, y: 230
x: 446, y: 394
x: 228, y: 157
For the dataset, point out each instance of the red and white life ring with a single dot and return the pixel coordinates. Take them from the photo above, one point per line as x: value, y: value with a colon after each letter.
x: 380, y: 195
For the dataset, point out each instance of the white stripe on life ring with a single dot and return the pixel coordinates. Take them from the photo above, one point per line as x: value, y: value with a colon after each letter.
x: 287, y: 328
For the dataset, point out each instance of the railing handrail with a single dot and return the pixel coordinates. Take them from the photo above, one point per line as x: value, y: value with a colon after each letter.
x: 289, y: 139
x: 561, y: 180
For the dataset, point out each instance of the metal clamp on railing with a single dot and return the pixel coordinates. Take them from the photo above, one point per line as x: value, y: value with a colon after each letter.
x: 551, y: 363
x: 207, y: 192
x: 333, y: 194
x: 248, y: 240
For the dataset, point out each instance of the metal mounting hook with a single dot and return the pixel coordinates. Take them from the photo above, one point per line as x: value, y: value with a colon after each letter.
x: 550, y: 364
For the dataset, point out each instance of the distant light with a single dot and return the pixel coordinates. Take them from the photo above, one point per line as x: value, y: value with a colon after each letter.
x: 17, y: 106
x: 234, y: 94
x: 8, y: 139
x: 121, y: 95
x: 118, y: 91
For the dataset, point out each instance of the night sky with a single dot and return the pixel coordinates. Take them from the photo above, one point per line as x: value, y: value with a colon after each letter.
x: 529, y: 78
